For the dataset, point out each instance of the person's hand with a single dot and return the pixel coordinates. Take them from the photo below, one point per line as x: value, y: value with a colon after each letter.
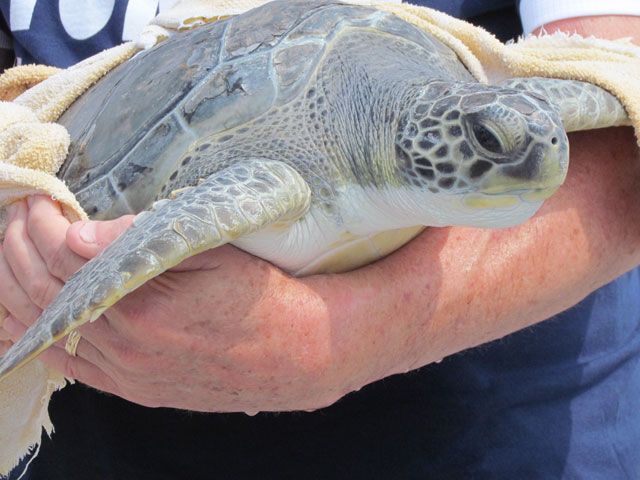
x: 228, y: 332
x: 197, y: 337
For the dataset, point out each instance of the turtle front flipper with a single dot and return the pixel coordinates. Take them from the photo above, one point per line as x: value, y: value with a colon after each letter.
x: 231, y: 203
x: 582, y: 106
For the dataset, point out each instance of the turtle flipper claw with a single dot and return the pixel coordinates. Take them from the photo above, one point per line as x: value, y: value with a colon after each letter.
x: 224, y: 207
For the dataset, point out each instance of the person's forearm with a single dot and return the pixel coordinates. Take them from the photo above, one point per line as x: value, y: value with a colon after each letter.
x: 601, y: 26
x: 482, y: 284
x: 487, y: 284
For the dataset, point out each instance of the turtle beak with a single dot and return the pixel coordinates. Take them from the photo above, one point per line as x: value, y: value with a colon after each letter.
x: 540, y: 173
x: 538, y: 176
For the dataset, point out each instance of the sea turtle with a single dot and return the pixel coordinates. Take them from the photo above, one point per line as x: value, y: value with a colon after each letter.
x: 317, y: 135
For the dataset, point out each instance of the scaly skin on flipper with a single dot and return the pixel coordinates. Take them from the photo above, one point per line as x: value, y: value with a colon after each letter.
x: 231, y: 203
x: 582, y: 106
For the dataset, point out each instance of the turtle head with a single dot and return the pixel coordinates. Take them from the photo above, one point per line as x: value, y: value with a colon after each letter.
x: 491, y: 154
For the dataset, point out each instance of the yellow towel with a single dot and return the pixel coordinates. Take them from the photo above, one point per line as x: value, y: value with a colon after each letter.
x: 16, y: 80
x: 32, y: 149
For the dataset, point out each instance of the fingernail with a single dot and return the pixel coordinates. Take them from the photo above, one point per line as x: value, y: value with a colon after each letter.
x: 88, y: 232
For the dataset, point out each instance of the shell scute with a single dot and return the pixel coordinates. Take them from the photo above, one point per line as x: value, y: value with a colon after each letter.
x: 233, y: 95
x: 262, y: 28
x: 292, y: 62
x: 324, y: 22
x: 116, y: 113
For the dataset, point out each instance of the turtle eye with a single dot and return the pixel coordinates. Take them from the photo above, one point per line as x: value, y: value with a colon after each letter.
x: 487, y: 139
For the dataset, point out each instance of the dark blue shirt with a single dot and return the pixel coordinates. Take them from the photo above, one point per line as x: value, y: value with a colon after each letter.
x: 47, y: 31
x: 557, y: 400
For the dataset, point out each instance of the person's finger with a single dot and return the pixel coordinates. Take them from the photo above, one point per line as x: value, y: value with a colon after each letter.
x: 13, y: 298
x: 5, y: 345
x: 25, y: 261
x: 102, y: 342
x: 4, y: 313
x: 98, y: 336
x: 84, y: 350
x: 83, y: 367
x: 47, y: 227
x: 79, y: 369
x: 14, y: 301
x: 88, y: 238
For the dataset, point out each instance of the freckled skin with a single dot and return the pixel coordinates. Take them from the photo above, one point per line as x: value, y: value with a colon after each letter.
x: 266, y: 123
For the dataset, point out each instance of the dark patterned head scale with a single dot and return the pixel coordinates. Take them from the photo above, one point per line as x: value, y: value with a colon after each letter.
x: 470, y: 137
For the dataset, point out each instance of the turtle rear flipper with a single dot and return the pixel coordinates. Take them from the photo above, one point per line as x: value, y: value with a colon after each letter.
x: 231, y: 203
x: 582, y: 106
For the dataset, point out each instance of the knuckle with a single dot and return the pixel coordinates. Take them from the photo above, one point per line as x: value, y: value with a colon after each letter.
x: 11, y: 238
x: 34, y: 219
x: 57, y: 264
x: 7, y: 290
x: 42, y: 291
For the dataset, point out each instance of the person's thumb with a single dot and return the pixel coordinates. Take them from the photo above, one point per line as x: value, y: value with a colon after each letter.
x: 88, y: 238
